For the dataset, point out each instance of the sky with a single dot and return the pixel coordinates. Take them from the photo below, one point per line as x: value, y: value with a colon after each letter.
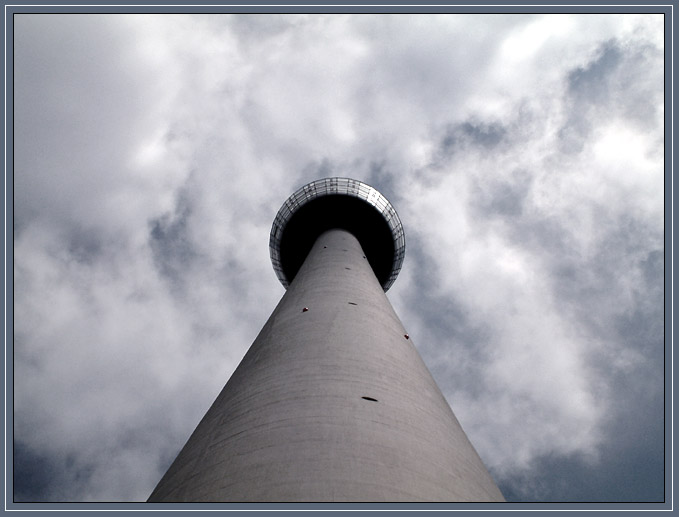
x: 523, y: 153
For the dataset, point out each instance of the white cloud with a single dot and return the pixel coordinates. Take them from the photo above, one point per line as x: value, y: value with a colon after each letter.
x: 153, y: 152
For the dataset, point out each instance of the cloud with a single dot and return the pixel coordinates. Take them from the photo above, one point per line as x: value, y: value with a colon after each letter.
x: 523, y: 154
x: 543, y: 254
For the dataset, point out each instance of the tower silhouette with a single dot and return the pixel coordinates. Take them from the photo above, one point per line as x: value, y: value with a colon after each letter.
x: 332, y: 401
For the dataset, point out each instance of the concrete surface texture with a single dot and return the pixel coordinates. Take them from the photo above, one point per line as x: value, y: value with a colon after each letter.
x: 331, y: 403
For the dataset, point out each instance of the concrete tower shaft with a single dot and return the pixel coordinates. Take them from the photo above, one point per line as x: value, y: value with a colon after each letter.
x: 332, y: 402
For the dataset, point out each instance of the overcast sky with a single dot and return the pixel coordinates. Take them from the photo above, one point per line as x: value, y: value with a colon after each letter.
x: 523, y: 153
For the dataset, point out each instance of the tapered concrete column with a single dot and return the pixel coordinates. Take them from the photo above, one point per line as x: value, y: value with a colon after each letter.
x: 332, y: 402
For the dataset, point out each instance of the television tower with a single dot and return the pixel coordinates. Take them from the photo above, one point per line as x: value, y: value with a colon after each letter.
x: 332, y: 401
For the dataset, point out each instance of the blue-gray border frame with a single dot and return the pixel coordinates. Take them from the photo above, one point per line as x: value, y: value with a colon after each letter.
x: 666, y: 8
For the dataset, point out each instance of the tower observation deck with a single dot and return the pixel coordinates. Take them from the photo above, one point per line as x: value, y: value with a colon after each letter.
x: 332, y: 401
x: 342, y: 203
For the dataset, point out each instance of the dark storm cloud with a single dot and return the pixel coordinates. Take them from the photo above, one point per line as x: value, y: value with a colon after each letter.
x: 629, y: 466
x: 171, y: 242
x: 613, y: 294
x: 381, y: 177
x: 589, y: 87
x: 591, y: 84
x: 445, y: 320
x: 630, y: 470
x: 472, y: 133
x: 317, y: 169
x: 624, y: 264
x: 251, y: 28
x: 604, y: 279
x: 630, y: 374
x: 85, y: 246
x: 454, y: 343
x: 617, y: 83
x: 502, y: 196
x: 470, y: 136
x: 34, y: 474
